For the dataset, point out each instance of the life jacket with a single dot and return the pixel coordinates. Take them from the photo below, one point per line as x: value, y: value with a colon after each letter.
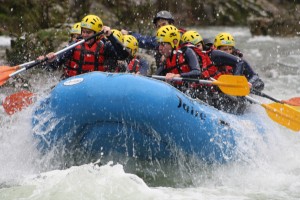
x: 85, y: 59
x: 176, y: 64
x: 203, y: 58
x: 216, y: 71
x: 208, y: 69
x: 134, y: 65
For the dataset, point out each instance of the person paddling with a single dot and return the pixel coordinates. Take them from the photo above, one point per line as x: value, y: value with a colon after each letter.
x: 225, y: 42
x: 225, y: 65
x: 177, y: 63
x: 90, y: 55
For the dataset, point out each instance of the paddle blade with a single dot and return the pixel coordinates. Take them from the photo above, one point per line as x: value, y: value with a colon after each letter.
x: 293, y: 101
x: 296, y: 108
x: 284, y: 115
x: 4, y: 68
x: 233, y: 85
x: 5, y: 71
x: 17, y: 101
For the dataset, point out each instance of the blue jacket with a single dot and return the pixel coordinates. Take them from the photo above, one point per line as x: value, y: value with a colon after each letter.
x: 146, y: 41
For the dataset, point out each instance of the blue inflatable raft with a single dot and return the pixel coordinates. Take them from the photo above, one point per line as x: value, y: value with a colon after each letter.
x: 101, y: 114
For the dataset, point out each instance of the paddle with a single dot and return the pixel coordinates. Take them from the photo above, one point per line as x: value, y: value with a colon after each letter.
x: 17, y: 101
x: 281, y: 113
x: 8, y: 68
x: 293, y: 101
x: 14, y: 71
x: 228, y: 84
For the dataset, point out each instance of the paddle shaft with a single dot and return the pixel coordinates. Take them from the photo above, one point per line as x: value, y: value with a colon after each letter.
x: 37, y: 62
x: 281, y: 113
x: 28, y: 63
x: 253, y: 100
x: 183, y: 79
x: 259, y: 93
x: 213, y: 81
x: 228, y: 84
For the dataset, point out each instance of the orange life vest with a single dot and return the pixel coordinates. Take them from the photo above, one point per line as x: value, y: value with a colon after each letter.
x: 85, y: 59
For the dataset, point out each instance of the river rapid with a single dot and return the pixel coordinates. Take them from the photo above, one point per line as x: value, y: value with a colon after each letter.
x: 269, y: 167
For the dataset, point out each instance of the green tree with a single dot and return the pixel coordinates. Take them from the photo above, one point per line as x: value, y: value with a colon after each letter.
x: 28, y: 16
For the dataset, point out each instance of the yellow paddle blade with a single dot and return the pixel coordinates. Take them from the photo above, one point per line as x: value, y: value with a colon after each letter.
x: 296, y: 108
x: 233, y: 85
x: 284, y: 115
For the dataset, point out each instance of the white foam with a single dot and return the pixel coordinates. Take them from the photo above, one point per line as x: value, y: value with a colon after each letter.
x: 5, y: 41
x: 260, y: 39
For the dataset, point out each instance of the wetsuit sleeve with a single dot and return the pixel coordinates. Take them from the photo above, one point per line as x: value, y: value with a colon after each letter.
x: 146, y: 41
x: 61, y: 58
x: 160, y: 71
x: 115, y: 49
x: 221, y: 58
x: 237, y: 52
x: 193, y: 63
x: 241, y: 67
x: 253, y: 77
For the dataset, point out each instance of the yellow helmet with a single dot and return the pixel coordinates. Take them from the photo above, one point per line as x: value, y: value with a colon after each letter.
x: 118, y: 35
x: 168, y: 33
x: 191, y: 36
x: 92, y: 22
x: 76, y: 29
x: 131, y: 43
x: 224, y: 39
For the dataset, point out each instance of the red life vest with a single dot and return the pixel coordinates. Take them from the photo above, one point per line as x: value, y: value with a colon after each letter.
x: 208, y: 69
x: 176, y: 64
x: 134, y: 65
x: 216, y: 71
x: 86, y: 58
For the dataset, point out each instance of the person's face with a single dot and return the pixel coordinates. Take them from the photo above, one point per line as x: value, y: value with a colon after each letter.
x: 74, y: 37
x: 199, y: 46
x: 165, y: 48
x: 85, y: 33
x: 161, y: 22
x: 227, y: 49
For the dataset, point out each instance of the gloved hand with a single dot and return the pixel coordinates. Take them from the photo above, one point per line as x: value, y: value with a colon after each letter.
x: 258, y: 84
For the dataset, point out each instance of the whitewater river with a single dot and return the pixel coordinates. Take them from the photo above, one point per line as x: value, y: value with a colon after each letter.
x: 269, y: 168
